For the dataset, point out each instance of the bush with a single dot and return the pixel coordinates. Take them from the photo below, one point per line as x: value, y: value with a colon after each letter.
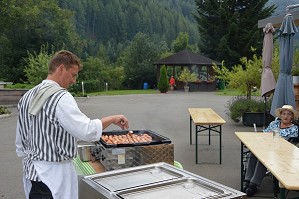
x: 243, y: 76
x: 295, y: 71
x: 20, y: 86
x: 89, y: 87
x: 163, y: 85
x: 186, y: 76
x: 236, y: 106
x: 37, y: 65
x: 4, y: 110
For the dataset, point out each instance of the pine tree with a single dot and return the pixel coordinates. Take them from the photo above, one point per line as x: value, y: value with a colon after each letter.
x: 163, y: 85
x: 228, y: 28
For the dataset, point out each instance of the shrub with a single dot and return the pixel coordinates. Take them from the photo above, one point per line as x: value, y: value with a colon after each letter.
x: 243, y: 76
x: 295, y: 71
x: 236, y: 106
x: 4, y: 110
x: 37, y: 65
x: 163, y: 85
x: 20, y: 86
x: 89, y: 86
x: 186, y: 76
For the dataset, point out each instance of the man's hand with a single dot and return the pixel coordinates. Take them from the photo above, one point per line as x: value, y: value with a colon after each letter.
x: 121, y: 121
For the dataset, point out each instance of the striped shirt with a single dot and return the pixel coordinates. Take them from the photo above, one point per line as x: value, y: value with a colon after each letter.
x: 42, y: 136
x: 52, y: 134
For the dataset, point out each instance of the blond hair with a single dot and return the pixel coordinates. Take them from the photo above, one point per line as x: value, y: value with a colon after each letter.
x: 67, y: 58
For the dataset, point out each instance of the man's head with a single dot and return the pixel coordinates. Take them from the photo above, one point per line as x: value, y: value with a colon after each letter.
x: 63, y: 68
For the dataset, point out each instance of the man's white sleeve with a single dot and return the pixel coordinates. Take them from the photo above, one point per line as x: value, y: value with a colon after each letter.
x: 75, y: 122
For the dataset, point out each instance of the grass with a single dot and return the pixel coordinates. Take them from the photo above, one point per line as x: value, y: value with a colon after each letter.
x: 124, y: 92
x: 235, y: 92
x: 224, y: 92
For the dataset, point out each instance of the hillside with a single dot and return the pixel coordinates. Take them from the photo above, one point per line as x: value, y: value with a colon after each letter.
x: 114, y: 21
x: 281, y: 5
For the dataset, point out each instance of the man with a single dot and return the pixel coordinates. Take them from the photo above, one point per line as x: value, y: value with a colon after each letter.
x: 49, y: 125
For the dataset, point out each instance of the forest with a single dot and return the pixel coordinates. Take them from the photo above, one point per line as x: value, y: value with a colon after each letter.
x: 117, y: 40
x: 88, y: 28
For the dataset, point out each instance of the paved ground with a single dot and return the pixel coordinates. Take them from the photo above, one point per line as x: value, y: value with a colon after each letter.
x: 166, y: 114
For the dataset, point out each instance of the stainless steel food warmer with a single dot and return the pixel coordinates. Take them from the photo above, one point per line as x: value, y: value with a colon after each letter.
x: 158, y: 180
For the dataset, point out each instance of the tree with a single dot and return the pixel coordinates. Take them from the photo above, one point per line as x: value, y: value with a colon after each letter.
x: 27, y: 25
x: 37, y: 65
x: 246, y: 74
x: 228, y: 28
x: 163, y: 85
x: 181, y: 42
x: 137, y: 61
x: 97, y: 71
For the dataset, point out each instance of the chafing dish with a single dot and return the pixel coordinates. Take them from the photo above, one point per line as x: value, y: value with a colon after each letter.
x: 158, y: 180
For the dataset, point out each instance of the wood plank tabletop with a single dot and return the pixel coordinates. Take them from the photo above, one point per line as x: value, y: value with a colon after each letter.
x: 205, y: 116
x: 277, y: 154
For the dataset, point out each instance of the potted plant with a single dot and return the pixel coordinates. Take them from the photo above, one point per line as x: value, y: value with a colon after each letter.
x: 186, y: 76
x: 295, y: 74
x: 249, y: 110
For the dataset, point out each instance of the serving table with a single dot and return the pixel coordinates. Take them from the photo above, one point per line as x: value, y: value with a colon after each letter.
x: 279, y: 156
x: 205, y: 119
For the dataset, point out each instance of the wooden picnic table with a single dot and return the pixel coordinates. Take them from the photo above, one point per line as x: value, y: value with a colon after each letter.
x: 279, y: 156
x: 205, y: 119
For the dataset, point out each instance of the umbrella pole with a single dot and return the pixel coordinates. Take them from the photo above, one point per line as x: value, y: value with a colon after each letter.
x: 265, y: 111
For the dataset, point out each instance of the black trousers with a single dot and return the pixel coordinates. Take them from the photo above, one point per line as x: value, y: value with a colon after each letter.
x: 40, y: 191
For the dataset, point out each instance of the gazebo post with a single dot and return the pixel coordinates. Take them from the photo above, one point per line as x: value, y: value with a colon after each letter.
x: 173, y: 71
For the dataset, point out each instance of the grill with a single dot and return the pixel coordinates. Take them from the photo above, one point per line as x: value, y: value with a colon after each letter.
x: 125, y: 155
x: 156, y: 138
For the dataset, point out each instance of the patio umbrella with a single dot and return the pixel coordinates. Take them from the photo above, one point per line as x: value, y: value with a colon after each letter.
x: 284, y: 90
x: 268, y: 82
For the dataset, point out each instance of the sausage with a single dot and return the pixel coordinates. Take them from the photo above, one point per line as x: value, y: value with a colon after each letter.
x: 130, y: 137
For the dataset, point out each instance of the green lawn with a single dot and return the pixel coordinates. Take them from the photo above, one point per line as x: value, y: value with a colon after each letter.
x: 225, y: 92
x: 124, y: 92
x: 235, y: 92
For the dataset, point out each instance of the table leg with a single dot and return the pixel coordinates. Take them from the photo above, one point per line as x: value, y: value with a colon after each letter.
x: 220, y: 132
x: 196, y: 147
x: 282, y: 193
x: 190, y: 130
x: 242, y: 166
x: 209, y: 134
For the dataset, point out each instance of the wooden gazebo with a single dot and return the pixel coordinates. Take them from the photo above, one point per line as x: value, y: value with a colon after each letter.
x: 196, y: 63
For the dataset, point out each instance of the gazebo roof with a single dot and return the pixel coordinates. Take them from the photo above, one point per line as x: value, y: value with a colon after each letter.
x: 186, y: 57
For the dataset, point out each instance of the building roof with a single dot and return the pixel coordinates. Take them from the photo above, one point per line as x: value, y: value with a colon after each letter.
x: 186, y: 57
x: 277, y: 20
